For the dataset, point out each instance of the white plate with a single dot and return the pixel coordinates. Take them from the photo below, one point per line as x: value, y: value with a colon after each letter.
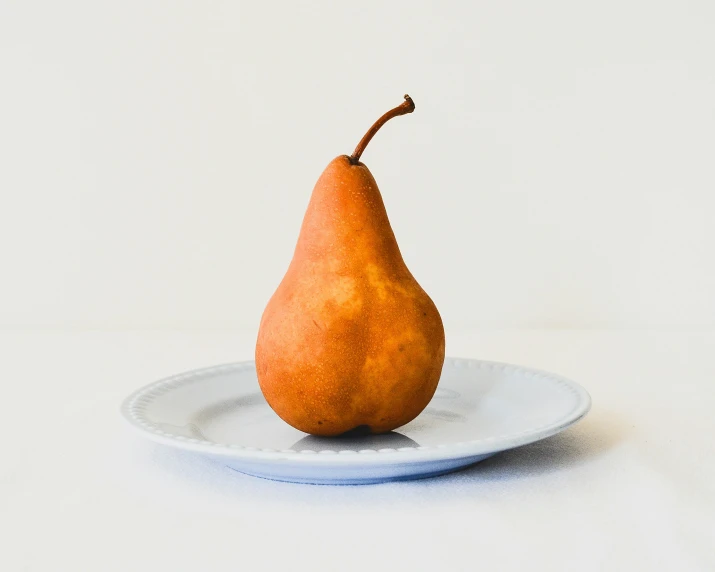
x: 479, y: 409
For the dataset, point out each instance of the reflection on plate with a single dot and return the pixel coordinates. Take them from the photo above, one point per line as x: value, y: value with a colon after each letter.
x: 391, y: 440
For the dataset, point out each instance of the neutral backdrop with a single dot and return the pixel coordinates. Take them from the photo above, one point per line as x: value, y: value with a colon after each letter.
x: 554, y: 192
x: 156, y: 158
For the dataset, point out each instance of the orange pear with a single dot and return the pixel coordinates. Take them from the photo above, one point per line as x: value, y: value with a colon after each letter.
x: 349, y: 340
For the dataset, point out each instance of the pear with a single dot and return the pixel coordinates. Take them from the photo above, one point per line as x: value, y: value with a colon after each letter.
x: 349, y: 340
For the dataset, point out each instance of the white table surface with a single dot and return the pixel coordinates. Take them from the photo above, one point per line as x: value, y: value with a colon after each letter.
x: 631, y: 487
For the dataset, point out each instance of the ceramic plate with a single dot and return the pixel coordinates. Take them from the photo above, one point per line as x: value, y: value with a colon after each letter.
x: 479, y: 409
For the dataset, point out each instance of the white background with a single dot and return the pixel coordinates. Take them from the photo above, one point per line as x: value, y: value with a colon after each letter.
x: 157, y: 157
x: 554, y: 192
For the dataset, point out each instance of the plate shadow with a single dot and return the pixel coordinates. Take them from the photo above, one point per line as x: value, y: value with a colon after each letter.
x: 593, y: 436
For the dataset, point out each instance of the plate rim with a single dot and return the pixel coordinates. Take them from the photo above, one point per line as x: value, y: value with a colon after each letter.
x: 136, y: 402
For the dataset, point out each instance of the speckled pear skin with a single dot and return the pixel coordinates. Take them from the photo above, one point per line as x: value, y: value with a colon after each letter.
x: 349, y: 339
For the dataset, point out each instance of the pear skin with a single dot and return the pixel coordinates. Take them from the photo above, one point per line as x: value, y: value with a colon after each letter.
x: 349, y: 340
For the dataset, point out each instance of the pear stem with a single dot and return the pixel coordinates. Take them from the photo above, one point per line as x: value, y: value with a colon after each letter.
x: 407, y: 106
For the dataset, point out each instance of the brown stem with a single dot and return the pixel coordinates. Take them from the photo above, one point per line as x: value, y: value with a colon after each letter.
x: 407, y: 106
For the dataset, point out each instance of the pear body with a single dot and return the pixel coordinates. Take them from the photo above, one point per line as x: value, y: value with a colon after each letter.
x: 349, y: 340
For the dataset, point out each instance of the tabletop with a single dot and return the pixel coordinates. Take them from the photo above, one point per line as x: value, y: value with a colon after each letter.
x: 629, y: 487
